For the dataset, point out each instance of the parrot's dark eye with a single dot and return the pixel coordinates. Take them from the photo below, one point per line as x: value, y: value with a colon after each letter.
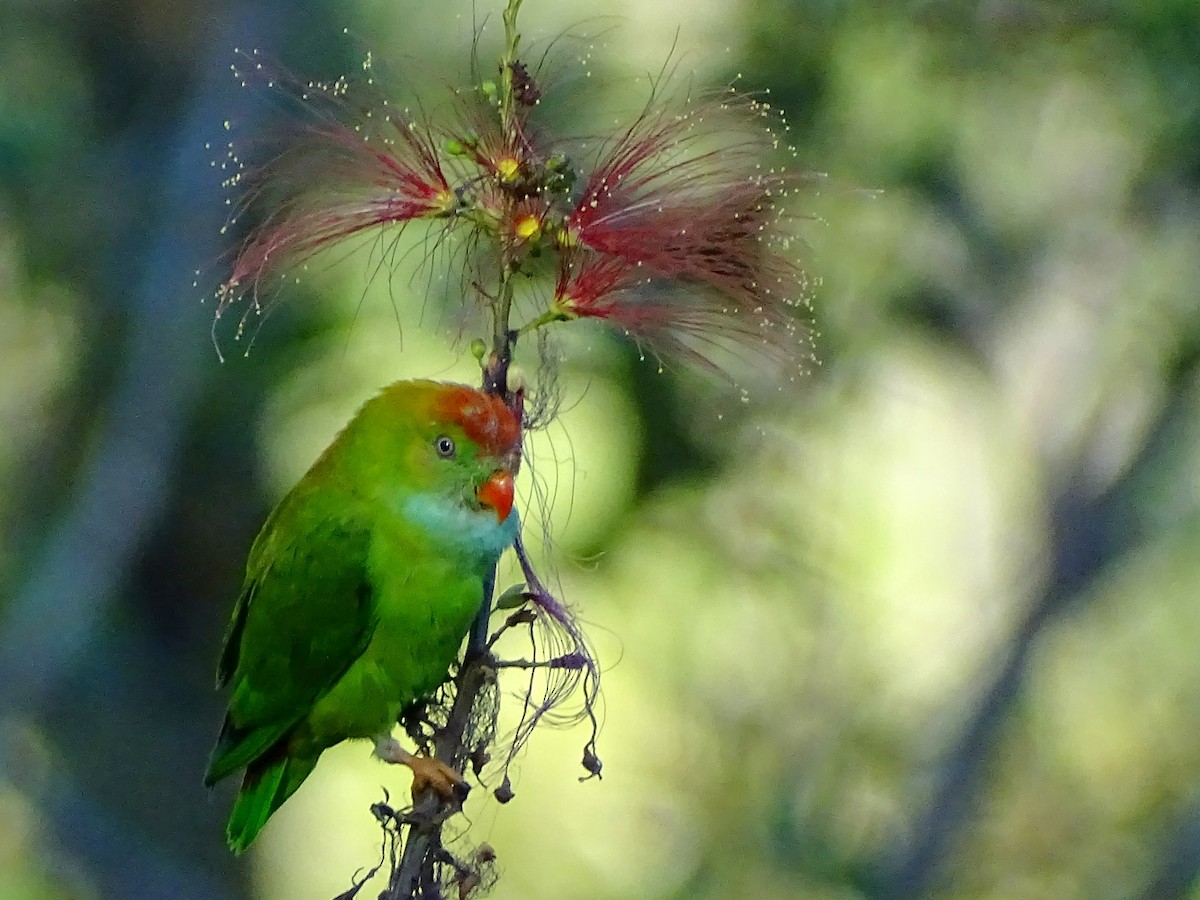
x: 445, y: 447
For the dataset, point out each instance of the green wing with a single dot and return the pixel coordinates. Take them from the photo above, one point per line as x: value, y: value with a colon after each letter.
x: 305, y: 614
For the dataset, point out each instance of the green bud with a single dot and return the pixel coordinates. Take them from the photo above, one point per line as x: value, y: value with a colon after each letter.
x: 478, y: 349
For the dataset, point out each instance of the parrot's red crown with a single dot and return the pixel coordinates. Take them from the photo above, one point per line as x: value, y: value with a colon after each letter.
x: 484, y: 418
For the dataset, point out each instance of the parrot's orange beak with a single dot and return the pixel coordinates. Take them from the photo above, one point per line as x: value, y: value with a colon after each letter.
x: 497, y: 493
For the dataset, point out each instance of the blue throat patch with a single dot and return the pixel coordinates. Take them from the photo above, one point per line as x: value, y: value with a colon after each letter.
x: 475, y: 532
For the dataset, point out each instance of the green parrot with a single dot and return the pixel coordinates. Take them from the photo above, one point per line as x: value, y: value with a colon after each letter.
x: 361, y: 587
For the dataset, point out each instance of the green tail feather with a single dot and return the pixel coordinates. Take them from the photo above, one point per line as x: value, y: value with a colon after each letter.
x: 267, y: 784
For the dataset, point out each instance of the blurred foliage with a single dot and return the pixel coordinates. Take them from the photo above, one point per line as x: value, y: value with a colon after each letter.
x: 921, y: 625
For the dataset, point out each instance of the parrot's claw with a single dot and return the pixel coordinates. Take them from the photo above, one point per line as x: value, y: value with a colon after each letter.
x: 428, y: 773
x: 433, y: 773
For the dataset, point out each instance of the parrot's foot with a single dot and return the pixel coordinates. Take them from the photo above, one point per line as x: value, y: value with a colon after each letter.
x: 428, y: 773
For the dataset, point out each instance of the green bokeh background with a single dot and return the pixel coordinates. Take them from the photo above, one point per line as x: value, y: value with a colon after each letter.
x: 921, y: 624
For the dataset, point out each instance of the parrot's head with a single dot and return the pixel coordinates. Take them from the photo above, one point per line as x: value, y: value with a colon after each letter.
x: 446, y: 455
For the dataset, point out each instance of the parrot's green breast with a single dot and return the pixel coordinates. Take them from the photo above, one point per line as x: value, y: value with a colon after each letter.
x: 423, y: 612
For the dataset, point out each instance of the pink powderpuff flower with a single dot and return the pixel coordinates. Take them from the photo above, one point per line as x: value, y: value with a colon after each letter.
x: 594, y: 286
x: 510, y: 156
x: 674, y: 234
x: 668, y: 317
x: 698, y: 224
x: 527, y: 221
x: 353, y: 163
x: 337, y: 181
